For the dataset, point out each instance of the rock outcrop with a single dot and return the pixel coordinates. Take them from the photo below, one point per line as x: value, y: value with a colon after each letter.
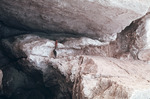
x: 77, y: 75
x: 97, y: 19
x: 134, y: 40
x: 103, y: 49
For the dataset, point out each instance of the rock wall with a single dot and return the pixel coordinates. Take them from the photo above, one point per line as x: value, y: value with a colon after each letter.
x: 134, y: 40
x: 98, y: 19
x: 78, y: 75
x: 100, y: 54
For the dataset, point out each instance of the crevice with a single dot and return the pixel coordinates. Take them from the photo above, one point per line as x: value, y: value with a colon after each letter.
x: 120, y: 67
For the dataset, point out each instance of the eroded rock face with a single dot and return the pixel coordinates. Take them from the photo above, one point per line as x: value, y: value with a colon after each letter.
x: 113, y: 78
x: 134, y: 41
x: 78, y: 76
x: 97, y: 19
x: 82, y: 67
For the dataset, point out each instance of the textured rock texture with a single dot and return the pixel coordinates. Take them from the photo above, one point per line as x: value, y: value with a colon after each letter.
x: 100, y: 53
x: 134, y: 41
x: 18, y: 84
x: 1, y: 76
x: 77, y: 75
x: 99, y: 19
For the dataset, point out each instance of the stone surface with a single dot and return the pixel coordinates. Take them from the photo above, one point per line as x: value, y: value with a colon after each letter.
x: 119, y: 79
x: 1, y: 77
x: 134, y: 41
x: 12, y: 80
x: 3, y: 59
x: 82, y: 67
x: 19, y: 84
x: 6, y: 31
x: 97, y: 19
x: 83, y: 76
x: 142, y: 42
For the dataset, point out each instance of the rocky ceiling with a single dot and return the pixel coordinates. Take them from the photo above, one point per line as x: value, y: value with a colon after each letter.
x: 100, y: 19
x: 74, y: 49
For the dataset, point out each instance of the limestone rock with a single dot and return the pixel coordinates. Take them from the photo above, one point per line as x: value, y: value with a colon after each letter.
x: 1, y: 77
x: 142, y: 42
x: 69, y: 46
x: 82, y: 76
x: 112, y: 78
x: 134, y: 40
x: 97, y: 19
x: 144, y: 55
x: 82, y: 67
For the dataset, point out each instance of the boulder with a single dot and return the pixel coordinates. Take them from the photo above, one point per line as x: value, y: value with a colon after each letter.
x: 96, y: 19
x: 78, y: 76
